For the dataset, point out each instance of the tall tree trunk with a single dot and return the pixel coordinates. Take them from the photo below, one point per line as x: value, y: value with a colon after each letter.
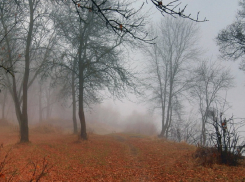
x: 84, y: 36
x: 169, y: 75
x: 163, y: 89
x: 81, y: 109
x: 74, y: 108
x: 163, y: 100
x: 171, y: 82
x: 162, y: 93
x: 24, y: 130
x: 81, y: 87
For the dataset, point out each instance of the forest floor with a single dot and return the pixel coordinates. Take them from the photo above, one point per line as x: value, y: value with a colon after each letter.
x: 113, y: 157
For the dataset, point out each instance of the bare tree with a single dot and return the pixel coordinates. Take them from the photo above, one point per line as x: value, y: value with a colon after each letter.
x: 96, y: 51
x: 209, y: 79
x: 231, y: 40
x: 169, y: 62
x: 21, y: 115
x: 26, y: 52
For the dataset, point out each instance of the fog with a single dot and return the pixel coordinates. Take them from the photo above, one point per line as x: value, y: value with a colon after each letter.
x: 101, y: 119
x: 112, y: 106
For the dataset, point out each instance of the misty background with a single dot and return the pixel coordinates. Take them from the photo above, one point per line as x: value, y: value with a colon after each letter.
x: 220, y: 14
x: 134, y: 113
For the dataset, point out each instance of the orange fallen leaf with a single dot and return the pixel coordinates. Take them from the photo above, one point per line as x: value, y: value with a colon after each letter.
x: 2, y: 175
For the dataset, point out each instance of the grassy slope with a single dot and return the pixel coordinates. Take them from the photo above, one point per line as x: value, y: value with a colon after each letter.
x: 115, y: 157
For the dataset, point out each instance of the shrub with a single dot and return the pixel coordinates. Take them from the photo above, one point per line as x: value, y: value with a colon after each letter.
x: 226, y: 139
x: 206, y: 156
x: 226, y: 147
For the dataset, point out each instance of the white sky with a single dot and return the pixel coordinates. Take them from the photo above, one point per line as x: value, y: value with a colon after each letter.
x: 220, y: 13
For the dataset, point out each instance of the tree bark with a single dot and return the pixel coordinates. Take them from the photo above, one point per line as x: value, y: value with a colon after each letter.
x: 82, y: 51
x: 48, y: 104
x: 163, y: 100
x: 203, y: 139
x: 162, y: 93
x: 4, y: 104
x: 24, y: 130
x: 171, y: 82
x: 40, y: 104
x: 83, y: 133
x: 74, y: 108
x: 170, y: 121
x: 81, y: 107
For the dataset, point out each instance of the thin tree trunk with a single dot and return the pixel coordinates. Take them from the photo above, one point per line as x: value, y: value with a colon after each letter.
x: 164, y: 102
x: 203, y: 140
x: 162, y: 90
x: 74, y: 108
x: 81, y: 108
x: 171, y: 82
x: 167, y: 124
x: 170, y: 121
x: 48, y: 105
x: 204, y: 120
x: 168, y: 115
x: 40, y: 104
x: 81, y: 90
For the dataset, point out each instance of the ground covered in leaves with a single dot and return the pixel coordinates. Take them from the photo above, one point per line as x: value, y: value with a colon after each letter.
x: 114, y: 157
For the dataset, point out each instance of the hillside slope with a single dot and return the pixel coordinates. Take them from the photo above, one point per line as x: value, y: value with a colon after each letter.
x: 114, y: 157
